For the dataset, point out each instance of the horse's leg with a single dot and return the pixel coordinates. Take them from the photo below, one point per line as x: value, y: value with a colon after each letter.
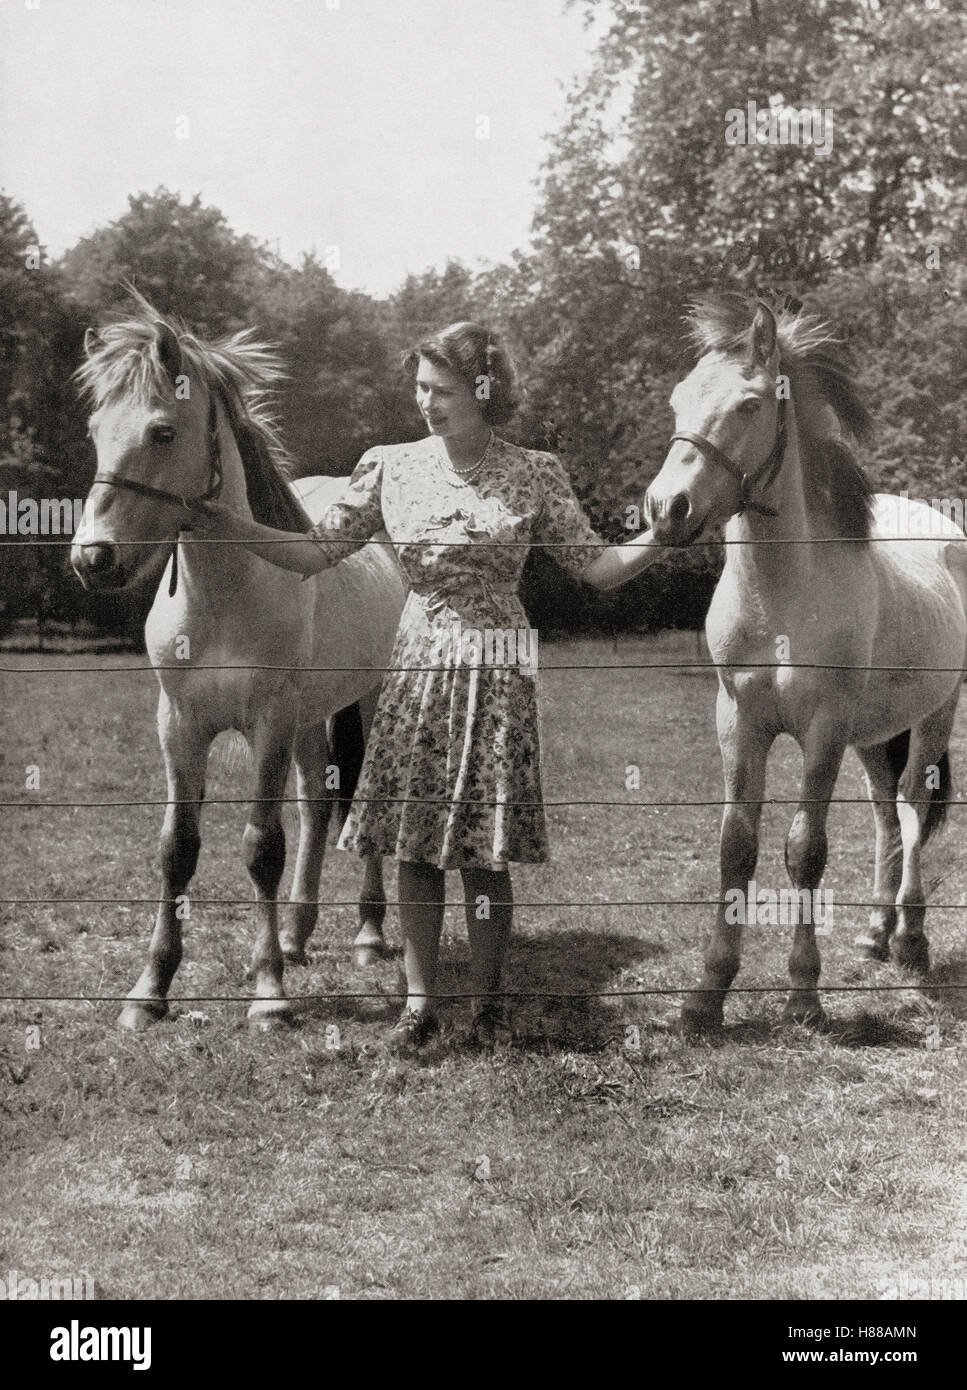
x: 315, y: 811
x: 881, y: 778
x: 264, y: 846
x: 369, y: 946
x: 928, y: 744
x: 745, y: 751
x: 806, y: 848
x: 185, y: 751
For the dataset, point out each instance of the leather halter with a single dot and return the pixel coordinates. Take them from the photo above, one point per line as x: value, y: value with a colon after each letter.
x: 175, y: 499
x: 747, y: 484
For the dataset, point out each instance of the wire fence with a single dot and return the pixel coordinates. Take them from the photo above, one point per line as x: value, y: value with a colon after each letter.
x: 185, y: 666
x: 558, y: 904
x: 513, y: 545
x: 519, y: 994
x: 606, y: 904
x: 711, y: 802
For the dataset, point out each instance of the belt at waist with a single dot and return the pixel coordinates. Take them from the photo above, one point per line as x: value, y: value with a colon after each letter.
x: 465, y: 586
x: 470, y: 589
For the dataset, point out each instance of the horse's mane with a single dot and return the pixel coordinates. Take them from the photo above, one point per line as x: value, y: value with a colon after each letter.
x: 244, y: 372
x: 821, y: 375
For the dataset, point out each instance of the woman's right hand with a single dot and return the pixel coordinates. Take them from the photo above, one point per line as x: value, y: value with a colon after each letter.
x: 288, y: 550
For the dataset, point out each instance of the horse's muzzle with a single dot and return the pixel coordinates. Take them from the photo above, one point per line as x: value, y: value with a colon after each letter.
x: 98, y: 565
x: 671, y: 519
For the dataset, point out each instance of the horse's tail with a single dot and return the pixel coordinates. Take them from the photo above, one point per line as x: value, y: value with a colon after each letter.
x: 939, y: 797
x: 232, y: 751
x: 347, y: 745
x: 898, y: 750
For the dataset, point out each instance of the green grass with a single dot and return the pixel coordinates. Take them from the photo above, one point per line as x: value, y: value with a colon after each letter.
x: 203, y: 1160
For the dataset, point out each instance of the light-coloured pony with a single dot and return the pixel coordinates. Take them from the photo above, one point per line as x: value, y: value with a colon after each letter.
x: 176, y: 419
x: 819, y: 585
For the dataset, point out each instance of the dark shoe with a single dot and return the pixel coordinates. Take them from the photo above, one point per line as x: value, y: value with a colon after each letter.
x: 412, y: 1029
x: 490, y: 1028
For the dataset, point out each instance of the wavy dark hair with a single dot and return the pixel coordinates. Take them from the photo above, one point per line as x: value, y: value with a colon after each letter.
x: 473, y: 354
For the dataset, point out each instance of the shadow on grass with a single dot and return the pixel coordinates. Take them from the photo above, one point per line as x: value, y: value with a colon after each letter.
x: 868, y: 1029
x: 951, y: 972
x: 862, y: 1031
x: 567, y: 965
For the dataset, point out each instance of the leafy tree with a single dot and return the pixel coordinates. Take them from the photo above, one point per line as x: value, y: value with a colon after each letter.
x: 644, y: 205
x: 342, y: 394
x: 183, y: 256
x: 41, y: 428
x: 180, y: 254
x: 425, y: 303
x: 907, y: 327
x: 643, y: 158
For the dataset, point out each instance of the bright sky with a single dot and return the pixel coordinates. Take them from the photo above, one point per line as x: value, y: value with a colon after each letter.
x: 312, y: 123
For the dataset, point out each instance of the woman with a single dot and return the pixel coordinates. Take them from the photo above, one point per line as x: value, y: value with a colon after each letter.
x: 451, y: 778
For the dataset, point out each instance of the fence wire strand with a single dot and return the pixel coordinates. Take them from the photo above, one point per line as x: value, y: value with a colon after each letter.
x: 447, y: 903
x: 675, y: 991
x: 510, y: 545
x: 476, y: 801
x: 185, y: 667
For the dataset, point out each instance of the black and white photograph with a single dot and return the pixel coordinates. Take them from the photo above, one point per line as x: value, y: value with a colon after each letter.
x: 483, y: 612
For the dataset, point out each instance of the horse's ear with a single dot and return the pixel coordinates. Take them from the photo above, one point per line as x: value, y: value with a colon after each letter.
x: 764, y: 336
x: 169, y: 349
x: 92, y: 341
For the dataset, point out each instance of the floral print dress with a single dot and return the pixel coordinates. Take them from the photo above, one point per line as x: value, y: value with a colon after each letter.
x: 452, y: 772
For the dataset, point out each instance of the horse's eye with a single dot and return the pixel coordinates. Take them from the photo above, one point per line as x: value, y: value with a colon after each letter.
x: 162, y: 434
x: 750, y: 406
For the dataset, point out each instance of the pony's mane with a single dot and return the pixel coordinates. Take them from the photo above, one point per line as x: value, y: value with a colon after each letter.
x: 243, y: 371
x: 821, y: 379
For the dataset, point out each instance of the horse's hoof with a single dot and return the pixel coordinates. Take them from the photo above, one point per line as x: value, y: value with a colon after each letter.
x: 912, y: 954
x: 294, y: 955
x: 696, y: 1024
x: 366, y: 954
x: 871, y: 948
x: 268, y: 1014
x: 139, y: 1014
x: 810, y: 1014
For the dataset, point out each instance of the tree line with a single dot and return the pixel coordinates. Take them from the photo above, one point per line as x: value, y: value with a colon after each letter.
x: 642, y: 206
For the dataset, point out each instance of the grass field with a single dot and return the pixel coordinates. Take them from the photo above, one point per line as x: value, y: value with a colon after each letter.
x: 600, y: 1157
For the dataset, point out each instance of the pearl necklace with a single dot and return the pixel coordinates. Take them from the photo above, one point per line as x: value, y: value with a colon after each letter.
x: 467, y: 475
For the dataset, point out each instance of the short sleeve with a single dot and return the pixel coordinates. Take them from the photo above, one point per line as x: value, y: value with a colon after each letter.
x: 562, y: 522
x: 349, y: 523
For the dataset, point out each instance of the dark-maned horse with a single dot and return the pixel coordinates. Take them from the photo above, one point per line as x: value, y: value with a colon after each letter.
x: 177, y: 420
x: 822, y: 581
